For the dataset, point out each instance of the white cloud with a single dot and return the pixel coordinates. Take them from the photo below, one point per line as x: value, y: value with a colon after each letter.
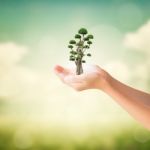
x: 140, y: 39
x: 10, y: 53
x: 118, y: 69
x: 13, y: 75
x: 18, y: 81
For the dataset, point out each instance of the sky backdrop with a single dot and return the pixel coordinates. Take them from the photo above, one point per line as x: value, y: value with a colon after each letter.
x: 34, y: 35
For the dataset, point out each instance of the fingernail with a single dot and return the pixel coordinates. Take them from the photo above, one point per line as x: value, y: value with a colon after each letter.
x: 59, y: 68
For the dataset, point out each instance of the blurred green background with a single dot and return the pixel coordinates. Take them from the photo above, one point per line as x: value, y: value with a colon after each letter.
x: 37, y: 111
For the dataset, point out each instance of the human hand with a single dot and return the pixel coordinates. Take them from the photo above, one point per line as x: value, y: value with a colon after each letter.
x: 93, y: 77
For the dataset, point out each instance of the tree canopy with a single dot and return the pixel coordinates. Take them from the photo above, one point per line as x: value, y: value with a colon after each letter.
x: 83, y: 31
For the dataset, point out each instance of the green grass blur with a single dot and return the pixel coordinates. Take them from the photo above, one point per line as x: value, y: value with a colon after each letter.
x: 34, y: 137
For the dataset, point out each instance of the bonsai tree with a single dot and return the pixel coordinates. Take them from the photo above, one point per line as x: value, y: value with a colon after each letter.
x: 78, y: 48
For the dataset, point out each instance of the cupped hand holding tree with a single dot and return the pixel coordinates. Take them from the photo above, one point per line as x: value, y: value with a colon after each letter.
x: 93, y: 78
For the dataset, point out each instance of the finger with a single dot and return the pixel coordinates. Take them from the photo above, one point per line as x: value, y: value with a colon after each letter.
x: 60, y: 71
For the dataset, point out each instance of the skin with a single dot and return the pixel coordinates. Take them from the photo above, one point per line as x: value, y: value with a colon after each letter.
x: 135, y: 102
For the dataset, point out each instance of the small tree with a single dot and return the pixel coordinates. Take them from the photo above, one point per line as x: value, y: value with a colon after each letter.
x: 78, y: 49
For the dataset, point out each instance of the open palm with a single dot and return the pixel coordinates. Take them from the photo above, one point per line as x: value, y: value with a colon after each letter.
x: 93, y: 77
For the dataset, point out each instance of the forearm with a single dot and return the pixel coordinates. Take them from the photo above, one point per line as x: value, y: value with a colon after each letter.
x: 134, y: 101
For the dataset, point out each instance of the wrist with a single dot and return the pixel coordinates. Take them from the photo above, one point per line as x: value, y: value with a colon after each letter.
x: 105, y: 81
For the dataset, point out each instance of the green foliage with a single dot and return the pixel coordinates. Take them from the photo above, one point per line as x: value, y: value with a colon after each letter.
x: 70, y: 46
x: 80, y: 44
x: 86, y: 39
x: 89, y: 42
x: 77, y: 58
x: 90, y: 36
x: 89, y: 54
x: 79, y: 48
x: 72, y: 59
x: 86, y: 46
x: 15, y: 136
x: 71, y: 56
x: 73, y: 52
x: 78, y: 36
x: 72, y: 42
x: 83, y: 31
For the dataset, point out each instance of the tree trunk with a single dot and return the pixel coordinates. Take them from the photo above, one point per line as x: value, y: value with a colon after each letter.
x: 79, y: 68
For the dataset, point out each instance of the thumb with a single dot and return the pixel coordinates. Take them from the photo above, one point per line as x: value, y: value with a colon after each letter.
x: 60, y: 71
